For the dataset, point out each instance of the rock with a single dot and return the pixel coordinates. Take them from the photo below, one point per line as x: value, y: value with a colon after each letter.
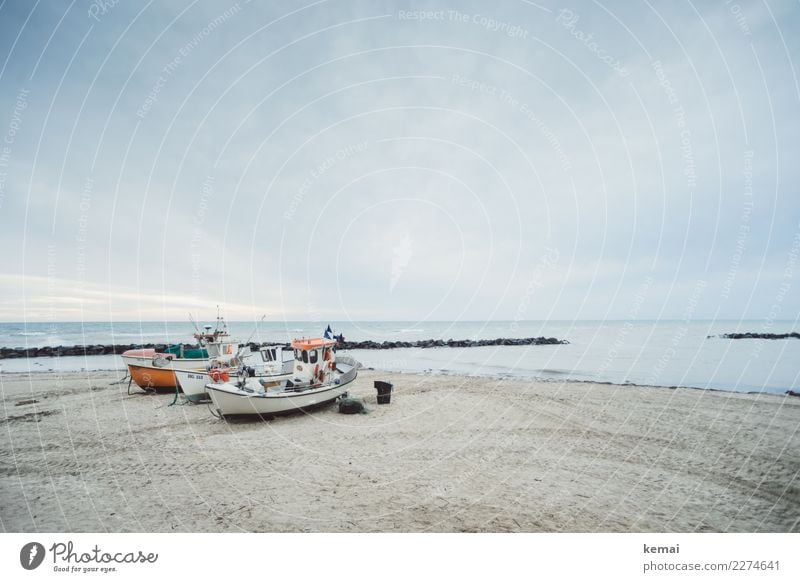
x: 771, y: 336
x: 99, y: 349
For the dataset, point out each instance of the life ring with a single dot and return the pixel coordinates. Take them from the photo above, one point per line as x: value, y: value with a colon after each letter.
x: 218, y: 375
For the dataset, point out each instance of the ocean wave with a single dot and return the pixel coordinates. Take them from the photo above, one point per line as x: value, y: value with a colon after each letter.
x: 140, y: 334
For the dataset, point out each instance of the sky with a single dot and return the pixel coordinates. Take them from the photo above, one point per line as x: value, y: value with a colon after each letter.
x: 411, y: 161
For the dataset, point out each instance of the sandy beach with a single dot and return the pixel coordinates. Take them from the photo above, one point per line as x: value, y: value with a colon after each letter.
x: 449, y: 454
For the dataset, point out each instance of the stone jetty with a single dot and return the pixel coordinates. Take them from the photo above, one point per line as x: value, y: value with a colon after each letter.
x: 90, y: 350
x: 100, y: 349
x: 770, y: 336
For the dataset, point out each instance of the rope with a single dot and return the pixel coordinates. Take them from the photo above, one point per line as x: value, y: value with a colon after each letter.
x: 213, y: 412
x: 121, y: 380
x: 129, y: 387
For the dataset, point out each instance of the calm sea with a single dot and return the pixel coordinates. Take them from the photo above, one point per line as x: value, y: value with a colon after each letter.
x: 659, y: 353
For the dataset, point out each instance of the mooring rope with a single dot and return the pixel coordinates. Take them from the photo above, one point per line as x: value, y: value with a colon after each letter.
x: 174, y: 400
x: 213, y: 413
x: 121, y: 380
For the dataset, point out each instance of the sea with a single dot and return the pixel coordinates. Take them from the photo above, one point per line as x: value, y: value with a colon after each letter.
x: 645, y: 352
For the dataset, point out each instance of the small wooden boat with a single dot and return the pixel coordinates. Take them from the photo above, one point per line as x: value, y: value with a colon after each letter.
x: 149, y: 369
x: 317, y: 377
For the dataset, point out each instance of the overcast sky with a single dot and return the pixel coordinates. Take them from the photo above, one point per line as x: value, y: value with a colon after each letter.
x: 399, y: 160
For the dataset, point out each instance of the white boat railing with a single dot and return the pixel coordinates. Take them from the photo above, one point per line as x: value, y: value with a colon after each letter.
x: 351, y: 374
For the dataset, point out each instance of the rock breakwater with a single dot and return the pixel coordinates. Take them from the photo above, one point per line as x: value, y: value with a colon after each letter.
x: 115, y: 349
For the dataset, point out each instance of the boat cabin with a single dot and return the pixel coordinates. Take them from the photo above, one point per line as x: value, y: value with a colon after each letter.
x: 217, y: 343
x: 314, y: 360
x: 272, y: 358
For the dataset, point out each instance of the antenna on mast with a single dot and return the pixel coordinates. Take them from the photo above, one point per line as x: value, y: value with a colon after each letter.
x: 219, y: 319
x: 255, y: 329
x: 194, y: 323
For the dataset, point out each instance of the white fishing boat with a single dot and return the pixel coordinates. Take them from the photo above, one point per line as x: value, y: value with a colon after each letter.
x: 267, y: 362
x: 193, y: 382
x: 317, y: 377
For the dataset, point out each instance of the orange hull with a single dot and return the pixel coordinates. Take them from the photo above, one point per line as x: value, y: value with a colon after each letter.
x: 152, y: 378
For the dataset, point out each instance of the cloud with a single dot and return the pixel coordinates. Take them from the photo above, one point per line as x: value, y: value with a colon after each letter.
x: 274, y: 158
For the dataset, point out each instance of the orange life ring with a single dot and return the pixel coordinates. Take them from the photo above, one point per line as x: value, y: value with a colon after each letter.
x: 218, y: 375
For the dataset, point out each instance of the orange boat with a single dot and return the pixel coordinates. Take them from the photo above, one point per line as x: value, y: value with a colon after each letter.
x: 151, y: 370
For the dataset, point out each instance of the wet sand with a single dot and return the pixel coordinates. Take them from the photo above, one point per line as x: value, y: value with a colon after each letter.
x: 449, y: 454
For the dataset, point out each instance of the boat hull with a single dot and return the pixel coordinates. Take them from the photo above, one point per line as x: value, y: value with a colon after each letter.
x: 148, y: 376
x: 193, y: 384
x: 230, y: 401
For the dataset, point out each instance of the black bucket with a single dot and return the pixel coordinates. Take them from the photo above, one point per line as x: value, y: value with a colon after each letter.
x: 384, y: 391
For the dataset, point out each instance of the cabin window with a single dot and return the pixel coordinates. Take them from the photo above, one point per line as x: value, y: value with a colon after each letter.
x: 305, y: 357
x: 297, y: 354
x: 314, y: 356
